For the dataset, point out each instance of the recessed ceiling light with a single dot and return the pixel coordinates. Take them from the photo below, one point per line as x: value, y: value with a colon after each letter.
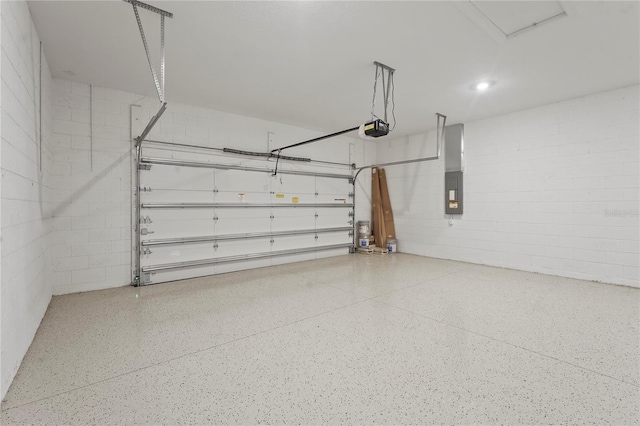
x: 484, y: 85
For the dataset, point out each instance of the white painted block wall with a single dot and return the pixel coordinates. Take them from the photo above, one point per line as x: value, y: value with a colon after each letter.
x: 552, y: 189
x: 92, y: 237
x: 26, y: 191
x: 92, y: 178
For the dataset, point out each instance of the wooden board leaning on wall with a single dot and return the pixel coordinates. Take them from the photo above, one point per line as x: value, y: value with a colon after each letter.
x: 381, y: 214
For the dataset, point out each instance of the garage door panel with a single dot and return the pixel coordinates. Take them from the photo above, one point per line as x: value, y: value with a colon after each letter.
x: 330, y: 238
x: 300, y: 257
x: 242, y: 196
x: 292, y: 198
x: 176, y: 223
x: 292, y: 242
x: 179, y: 214
x: 177, y: 196
x: 242, y: 247
x: 287, y: 219
x: 177, y: 229
x: 231, y: 183
x: 242, y: 220
x: 241, y: 266
x: 175, y: 177
x: 294, y: 185
x: 332, y: 217
x: 337, y: 198
x: 182, y: 274
x: 330, y: 190
x: 177, y: 253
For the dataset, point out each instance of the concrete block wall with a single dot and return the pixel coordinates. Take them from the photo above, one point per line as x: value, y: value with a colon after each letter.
x: 26, y: 192
x: 93, y: 170
x: 552, y: 189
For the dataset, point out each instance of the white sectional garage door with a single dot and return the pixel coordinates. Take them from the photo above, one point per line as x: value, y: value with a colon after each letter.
x: 204, y: 212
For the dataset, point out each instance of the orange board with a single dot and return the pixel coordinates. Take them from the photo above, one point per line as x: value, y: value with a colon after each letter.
x: 387, y: 212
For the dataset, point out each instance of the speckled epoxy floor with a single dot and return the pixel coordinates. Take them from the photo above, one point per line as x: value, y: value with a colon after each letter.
x: 354, y: 339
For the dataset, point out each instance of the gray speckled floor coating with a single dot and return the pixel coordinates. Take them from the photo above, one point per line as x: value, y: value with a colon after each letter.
x: 393, y: 339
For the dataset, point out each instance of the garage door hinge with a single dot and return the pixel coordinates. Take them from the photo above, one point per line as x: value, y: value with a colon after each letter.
x: 351, y: 233
x: 350, y: 222
x: 350, y: 213
x: 316, y: 215
x: 146, y: 251
x: 272, y: 241
x: 351, y: 195
x: 215, y: 190
x: 215, y: 246
x: 145, y: 189
x: 351, y: 181
x: 272, y: 217
x: 144, y: 166
x: 316, y: 194
x: 316, y: 237
x: 215, y: 218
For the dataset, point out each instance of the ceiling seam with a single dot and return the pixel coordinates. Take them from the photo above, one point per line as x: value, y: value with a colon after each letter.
x: 535, y: 24
x: 488, y: 19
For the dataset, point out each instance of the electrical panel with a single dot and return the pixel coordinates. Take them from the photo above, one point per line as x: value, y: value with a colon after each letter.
x: 453, y: 193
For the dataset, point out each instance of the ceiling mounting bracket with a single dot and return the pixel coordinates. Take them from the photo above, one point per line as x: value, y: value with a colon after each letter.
x: 158, y: 82
x: 387, y: 89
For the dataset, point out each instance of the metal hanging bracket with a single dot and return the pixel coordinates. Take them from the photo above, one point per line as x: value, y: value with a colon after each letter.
x: 159, y: 83
x: 387, y: 89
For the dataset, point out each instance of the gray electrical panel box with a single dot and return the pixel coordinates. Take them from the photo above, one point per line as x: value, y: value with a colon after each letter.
x: 453, y: 193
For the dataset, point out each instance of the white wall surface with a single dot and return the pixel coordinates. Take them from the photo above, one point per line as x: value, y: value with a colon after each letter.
x: 552, y: 189
x: 26, y: 188
x: 92, y: 242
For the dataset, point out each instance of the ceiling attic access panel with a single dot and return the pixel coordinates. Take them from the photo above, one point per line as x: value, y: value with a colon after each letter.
x: 503, y: 20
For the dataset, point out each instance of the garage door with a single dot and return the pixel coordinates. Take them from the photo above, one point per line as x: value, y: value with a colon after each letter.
x: 204, y: 212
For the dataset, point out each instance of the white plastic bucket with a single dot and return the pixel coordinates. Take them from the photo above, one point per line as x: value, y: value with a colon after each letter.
x: 392, y: 245
x: 363, y: 242
x: 364, y: 229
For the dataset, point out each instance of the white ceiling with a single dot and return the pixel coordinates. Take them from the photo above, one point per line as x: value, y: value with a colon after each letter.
x: 310, y: 64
